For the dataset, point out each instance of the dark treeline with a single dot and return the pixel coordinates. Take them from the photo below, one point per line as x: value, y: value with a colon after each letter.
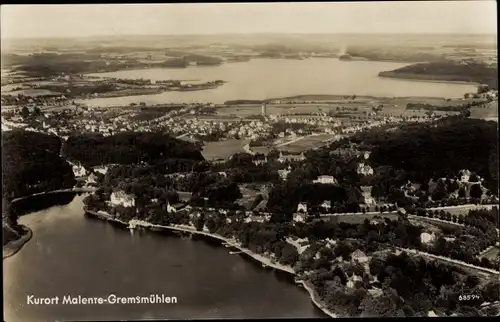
x: 31, y: 164
x: 127, y: 148
x: 453, y: 71
x: 450, y: 108
x: 437, y: 150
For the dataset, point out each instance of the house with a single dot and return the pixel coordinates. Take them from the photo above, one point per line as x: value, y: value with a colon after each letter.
x: 327, y: 204
x: 355, y: 278
x: 291, y: 157
x: 366, y: 192
x: 465, y: 175
x: 299, y: 217
x: 101, y: 169
x: 359, y: 256
x: 253, y: 218
x: 79, y: 171
x: 170, y: 208
x: 122, y: 198
x: 92, y: 179
x: 302, y: 207
x: 426, y: 238
x: 364, y: 169
x: 284, y: 173
x: 325, y: 180
x: 184, y: 196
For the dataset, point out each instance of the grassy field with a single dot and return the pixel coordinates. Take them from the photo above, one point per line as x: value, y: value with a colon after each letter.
x: 360, y: 218
x: 307, y: 143
x: 489, y: 113
x: 34, y: 92
x: 492, y: 253
x: 223, y: 149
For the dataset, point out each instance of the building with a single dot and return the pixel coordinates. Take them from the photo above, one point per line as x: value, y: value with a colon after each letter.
x: 120, y: 198
x: 302, y: 207
x: 325, y: 180
x: 264, y: 109
x: 326, y: 205
x: 465, y: 175
x: 364, y: 169
x: 359, y: 256
x: 79, y: 171
x: 101, y: 169
x: 366, y: 191
x: 351, y: 283
x: 299, y: 218
x: 283, y: 173
x: 170, y: 208
x: 291, y: 157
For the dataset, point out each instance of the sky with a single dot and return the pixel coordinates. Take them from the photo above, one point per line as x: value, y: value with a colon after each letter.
x: 83, y: 20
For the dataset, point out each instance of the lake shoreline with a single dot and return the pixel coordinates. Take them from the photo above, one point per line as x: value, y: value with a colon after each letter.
x: 266, y: 262
x: 14, y: 246
x: 423, y: 78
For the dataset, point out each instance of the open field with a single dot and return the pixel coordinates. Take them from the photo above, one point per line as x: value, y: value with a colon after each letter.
x: 492, y: 254
x: 487, y: 113
x: 223, y: 149
x: 34, y: 92
x: 307, y: 143
x: 360, y: 218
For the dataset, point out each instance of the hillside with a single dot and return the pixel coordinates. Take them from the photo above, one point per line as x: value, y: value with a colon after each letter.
x: 31, y: 164
x: 127, y: 148
x: 447, y: 71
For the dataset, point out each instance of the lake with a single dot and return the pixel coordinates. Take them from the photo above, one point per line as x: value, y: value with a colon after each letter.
x: 275, y: 78
x: 71, y: 254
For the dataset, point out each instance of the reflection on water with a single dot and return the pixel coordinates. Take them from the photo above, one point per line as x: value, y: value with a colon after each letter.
x: 38, y: 203
x: 70, y: 254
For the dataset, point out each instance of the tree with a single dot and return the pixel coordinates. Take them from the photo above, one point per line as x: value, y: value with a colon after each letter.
x: 461, y: 192
x: 25, y: 112
x: 476, y: 191
x: 473, y: 177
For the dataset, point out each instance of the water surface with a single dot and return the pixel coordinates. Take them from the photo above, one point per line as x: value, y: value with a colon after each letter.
x: 72, y: 254
x: 274, y: 78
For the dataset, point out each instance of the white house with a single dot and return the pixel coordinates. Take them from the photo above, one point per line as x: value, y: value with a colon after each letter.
x: 299, y: 218
x: 325, y: 180
x: 284, y: 173
x: 359, y: 256
x: 101, y: 169
x: 426, y: 238
x: 355, y: 278
x: 79, y: 171
x: 92, y: 178
x: 302, y: 207
x: 122, y: 198
x: 364, y: 169
x: 465, y: 175
x: 327, y: 204
x: 367, y: 195
x: 170, y: 208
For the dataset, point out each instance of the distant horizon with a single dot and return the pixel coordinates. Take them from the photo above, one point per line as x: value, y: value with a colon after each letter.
x: 255, y: 33
x: 473, y: 17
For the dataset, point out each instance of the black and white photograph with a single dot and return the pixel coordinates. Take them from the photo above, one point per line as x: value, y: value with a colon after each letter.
x: 194, y: 161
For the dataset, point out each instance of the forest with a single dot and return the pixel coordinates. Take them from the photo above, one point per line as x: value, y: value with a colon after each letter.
x: 450, y: 71
x: 437, y: 150
x: 31, y: 164
x: 128, y: 147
